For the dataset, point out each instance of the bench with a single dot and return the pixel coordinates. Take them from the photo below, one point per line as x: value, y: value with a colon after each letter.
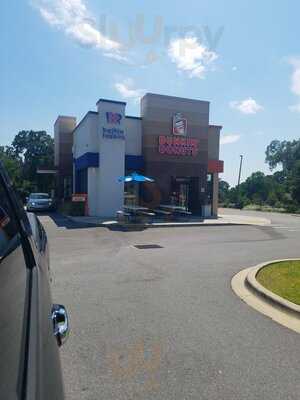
x: 147, y: 213
x: 162, y: 212
x: 123, y: 217
x: 183, y: 212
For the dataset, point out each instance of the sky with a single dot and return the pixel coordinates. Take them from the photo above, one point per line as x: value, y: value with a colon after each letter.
x: 61, y: 56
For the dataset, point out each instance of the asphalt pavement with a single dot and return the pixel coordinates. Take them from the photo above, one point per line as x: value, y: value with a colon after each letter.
x: 161, y: 321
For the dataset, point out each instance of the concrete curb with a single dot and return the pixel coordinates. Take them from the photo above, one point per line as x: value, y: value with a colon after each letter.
x: 262, y: 304
x: 162, y: 225
x: 189, y: 224
x: 267, y: 294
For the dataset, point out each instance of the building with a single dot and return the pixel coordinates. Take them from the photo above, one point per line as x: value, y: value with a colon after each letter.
x: 63, y: 158
x: 172, y: 142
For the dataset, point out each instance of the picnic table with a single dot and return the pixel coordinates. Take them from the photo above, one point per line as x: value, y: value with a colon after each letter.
x: 175, y: 210
x: 172, y: 208
x: 134, y: 209
x: 138, y: 212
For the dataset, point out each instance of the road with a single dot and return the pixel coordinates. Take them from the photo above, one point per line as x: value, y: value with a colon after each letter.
x: 163, y: 323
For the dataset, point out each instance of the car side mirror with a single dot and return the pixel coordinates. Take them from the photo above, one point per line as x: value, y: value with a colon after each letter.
x: 60, y: 323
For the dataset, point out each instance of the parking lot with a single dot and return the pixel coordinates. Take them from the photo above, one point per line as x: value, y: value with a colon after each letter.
x: 161, y: 321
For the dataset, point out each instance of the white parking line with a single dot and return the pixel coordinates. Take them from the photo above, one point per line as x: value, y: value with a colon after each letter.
x: 288, y: 228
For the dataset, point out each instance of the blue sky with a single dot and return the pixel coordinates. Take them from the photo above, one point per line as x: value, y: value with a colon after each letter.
x: 60, y: 56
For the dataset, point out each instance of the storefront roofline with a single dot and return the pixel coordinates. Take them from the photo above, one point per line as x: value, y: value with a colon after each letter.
x: 88, y: 113
x: 176, y: 98
x: 111, y: 101
x: 216, y: 126
x: 64, y: 117
x: 133, y: 117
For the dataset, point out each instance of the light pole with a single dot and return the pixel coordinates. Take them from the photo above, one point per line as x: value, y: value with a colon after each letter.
x: 239, y: 181
x: 241, y: 163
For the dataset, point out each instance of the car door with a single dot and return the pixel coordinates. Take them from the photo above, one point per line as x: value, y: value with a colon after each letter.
x: 30, y: 363
x: 14, y: 302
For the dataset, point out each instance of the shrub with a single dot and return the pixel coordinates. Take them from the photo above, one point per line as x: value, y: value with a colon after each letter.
x: 77, y: 209
x: 291, y: 208
x: 278, y: 204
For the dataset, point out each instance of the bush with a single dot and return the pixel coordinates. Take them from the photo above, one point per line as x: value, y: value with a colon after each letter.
x: 291, y: 208
x: 272, y: 199
x: 77, y: 209
x: 278, y: 205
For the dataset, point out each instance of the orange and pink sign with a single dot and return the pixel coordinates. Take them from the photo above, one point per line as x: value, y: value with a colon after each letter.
x: 178, y: 146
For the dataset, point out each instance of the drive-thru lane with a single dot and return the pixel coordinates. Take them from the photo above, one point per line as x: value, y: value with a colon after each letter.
x: 163, y: 322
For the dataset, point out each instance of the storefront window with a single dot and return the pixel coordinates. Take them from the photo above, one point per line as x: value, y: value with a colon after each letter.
x: 67, y: 187
x: 209, y: 188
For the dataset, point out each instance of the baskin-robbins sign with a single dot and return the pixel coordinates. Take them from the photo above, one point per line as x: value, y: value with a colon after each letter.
x: 113, y: 118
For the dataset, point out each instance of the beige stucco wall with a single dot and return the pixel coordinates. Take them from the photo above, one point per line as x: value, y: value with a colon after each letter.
x: 214, y: 142
x: 63, y: 139
x: 133, y: 136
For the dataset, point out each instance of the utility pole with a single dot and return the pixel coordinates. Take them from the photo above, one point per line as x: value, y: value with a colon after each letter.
x: 241, y: 163
x: 239, y: 181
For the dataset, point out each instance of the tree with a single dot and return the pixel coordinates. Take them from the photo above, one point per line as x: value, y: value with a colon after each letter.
x: 36, y: 149
x: 295, y: 182
x: 29, y: 151
x: 256, y: 187
x: 286, y: 154
x: 223, y: 191
x: 12, y: 164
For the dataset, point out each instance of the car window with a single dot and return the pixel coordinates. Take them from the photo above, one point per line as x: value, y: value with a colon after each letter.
x: 8, y: 229
x: 39, y: 196
x: 13, y: 282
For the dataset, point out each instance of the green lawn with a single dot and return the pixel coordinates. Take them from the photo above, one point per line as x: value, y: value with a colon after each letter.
x: 282, y: 278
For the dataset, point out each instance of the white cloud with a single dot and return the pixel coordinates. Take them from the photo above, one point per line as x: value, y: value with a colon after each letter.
x: 295, y: 81
x: 247, y: 106
x: 191, y: 56
x: 117, y: 56
x: 73, y: 18
x: 295, y: 108
x: 227, y: 139
x: 127, y: 90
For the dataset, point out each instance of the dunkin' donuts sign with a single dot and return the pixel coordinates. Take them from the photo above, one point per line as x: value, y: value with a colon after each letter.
x: 178, y: 146
x: 179, y: 125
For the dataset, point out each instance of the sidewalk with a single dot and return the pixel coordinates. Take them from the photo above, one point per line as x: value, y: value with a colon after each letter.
x: 223, y: 219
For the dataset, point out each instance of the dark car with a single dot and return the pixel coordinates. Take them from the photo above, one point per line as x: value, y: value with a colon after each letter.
x: 31, y: 327
x: 40, y: 202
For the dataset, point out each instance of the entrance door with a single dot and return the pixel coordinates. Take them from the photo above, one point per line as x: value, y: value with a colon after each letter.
x: 185, y: 193
x: 194, y: 201
x: 180, y: 192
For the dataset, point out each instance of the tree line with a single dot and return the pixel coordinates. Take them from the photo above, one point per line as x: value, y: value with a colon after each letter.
x: 29, y: 151
x: 280, y: 189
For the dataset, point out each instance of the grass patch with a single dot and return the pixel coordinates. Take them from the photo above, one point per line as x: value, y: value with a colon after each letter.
x: 257, y: 207
x: 282, y: 278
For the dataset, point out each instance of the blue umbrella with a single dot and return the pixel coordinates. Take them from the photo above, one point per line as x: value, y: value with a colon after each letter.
x: 135, y: 177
